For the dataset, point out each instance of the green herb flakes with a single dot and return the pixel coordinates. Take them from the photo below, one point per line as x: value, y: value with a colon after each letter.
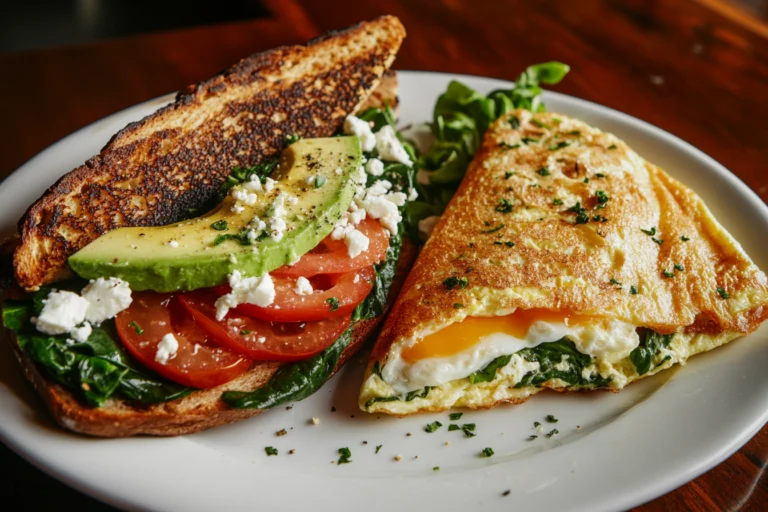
x: 649, y: 232
x: 668, y: 274
x: 633, y: 290
x: 539, y: 124
x: 432, y: 427
x: 657, y: 240
x: 684, y: 238
x: 493, y: 230
x: 487, y: 452
x: 560, y: 145
x: 581, y: 213
x: 551, y: 419
x: 528, y: 140
x: 557, y: 201
x: 458, y: 305
x: 136, y: 327
x: 679, y: 267
x: 536, y: 424
x: 514, y: 122
x: 586, y: 180
x: 270, y: 450
x: 436, y: 468
x: 724, y: 294
x: 245, y: 332
x: 602, y: 197
x: 543, y: 172
x: 345, y: 455
x: 504, y: 206
x: 532, y: 437
x: 220, y: 225
x: 508, y: 174
x: 612, y: 146
x: 454, y: 416
x: 453, y: 427
x: 468, y: 429
x: 320, y: 181
x: 453, y: 281
x: 506, y: 146
x: 615, y: 282
x: 553, y: 432
x: 599, y: 175
x: 378, y: 448
x: 333, y: 302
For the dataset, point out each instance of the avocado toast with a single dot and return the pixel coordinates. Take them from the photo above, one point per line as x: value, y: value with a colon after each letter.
x: 224, y: 255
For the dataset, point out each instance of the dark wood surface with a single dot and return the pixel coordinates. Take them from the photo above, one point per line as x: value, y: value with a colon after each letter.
x: 696, y: 68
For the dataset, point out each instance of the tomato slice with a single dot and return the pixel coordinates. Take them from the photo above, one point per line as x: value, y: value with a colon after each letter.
x: 333, y: 296
x: 332, y: 257
x: 260, y: 339
x: 199, y: 361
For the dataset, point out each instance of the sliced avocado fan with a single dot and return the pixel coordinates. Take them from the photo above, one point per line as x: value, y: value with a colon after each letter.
x: 315, y: 184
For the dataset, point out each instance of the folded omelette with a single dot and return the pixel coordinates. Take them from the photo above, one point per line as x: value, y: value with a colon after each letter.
x: 564, y: 261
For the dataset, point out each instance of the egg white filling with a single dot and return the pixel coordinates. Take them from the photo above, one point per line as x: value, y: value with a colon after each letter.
x: 605, y: 340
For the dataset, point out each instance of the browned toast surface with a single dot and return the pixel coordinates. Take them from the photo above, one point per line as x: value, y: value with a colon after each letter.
x: 154, y: 171
x: 198, y: 411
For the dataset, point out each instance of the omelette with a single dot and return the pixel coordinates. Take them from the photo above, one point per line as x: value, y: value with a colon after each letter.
x: 564, y: 261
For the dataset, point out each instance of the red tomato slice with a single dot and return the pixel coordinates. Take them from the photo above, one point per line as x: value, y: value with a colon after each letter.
x: 332, y: 257
x: 334, y: 296
x: 259, y: 339
x: 199, y: 361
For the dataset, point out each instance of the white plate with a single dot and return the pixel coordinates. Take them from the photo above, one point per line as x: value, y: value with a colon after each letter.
x: 631, y: 447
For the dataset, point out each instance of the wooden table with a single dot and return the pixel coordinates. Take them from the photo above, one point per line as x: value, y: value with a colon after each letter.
x: 696, y: 68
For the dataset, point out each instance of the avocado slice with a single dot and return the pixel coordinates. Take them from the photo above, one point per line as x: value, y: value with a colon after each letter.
x: 315, y: 183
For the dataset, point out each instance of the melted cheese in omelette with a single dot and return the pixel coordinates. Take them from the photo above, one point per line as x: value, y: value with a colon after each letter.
x: 462, y: 348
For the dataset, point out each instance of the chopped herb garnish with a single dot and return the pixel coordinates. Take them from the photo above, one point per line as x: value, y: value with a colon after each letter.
x: 345, y: 455
x: 505, y: 146
x: 615, y: 282
x: 543, y: 172
x: 632, y: 290
x: 668, y: 274
x: 468, y: 429
x: 599, y: 218
x: 514, y: 122
x: 508, y: 174
x: 599, y: 175
x: 560, y: 145
x: 657, y: 240
x: 458, y: 305
x: 453, y: 427
x: 586, y: 180
x: 333, y: 302
x: 378, y: 448
x: 557, y: 201
x: 539, y: 124
x: 553, y: 432
x: 245, y: 332
x: 649, y: 232
x: 612, y: 146
x: 684, y: 238
x: 504, y: 206
x: 136, y: 327
x: 532, y: 437
x: 320, y: 181
x: 292, y: 138
x: 724, y: 294
x: 493, y: 230
x: 453, y: 281
x: 602, y: 197
x: 679, y: 267
x: 436, y: 468
x: 528, y: 140
x: 536, y: 424
x: 581, y: 214
x: 574, y: 132
x: 432, y: 427
x: 270, y: 450
x: 455, y: 416
x: 220, y: 225
x: 551, y: 419
x: 487, y: 452
x: 506, y: 493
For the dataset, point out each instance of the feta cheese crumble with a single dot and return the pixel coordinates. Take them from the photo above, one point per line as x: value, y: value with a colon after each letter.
x: 390, y: 148
x: 250, y: 290
x: 355, y: 126
x: 276, y: 213
x: 80, y: 334
x: 427, y: 225
x: 166, y: 349
x: 106, y: 298
x: 357, y: 243
x: 374, y: 167
x: 412, y: 195
x: 62, y: 311
x: 303, y: 286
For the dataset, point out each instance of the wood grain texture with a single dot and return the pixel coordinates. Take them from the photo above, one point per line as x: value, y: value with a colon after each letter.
x: 696, y: 68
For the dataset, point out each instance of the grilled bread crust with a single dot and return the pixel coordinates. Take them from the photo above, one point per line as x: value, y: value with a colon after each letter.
x: 198, y: 411
x: 154, y: 171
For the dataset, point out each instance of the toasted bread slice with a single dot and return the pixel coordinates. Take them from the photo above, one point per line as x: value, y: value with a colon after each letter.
x: 153, y: 172
x: 198, y: 411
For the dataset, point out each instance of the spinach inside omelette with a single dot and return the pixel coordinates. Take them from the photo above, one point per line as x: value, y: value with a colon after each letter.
x: 564, y: 261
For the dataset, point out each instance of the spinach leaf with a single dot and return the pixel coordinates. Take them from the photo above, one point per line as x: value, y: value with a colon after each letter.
x: 559, y: 360
x: 411, y: 395
x: 650, y: 347
x: 292, y: 382
x: 488, y: 373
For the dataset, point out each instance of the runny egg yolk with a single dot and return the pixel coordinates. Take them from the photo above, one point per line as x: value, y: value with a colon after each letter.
x: 460, y: 336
